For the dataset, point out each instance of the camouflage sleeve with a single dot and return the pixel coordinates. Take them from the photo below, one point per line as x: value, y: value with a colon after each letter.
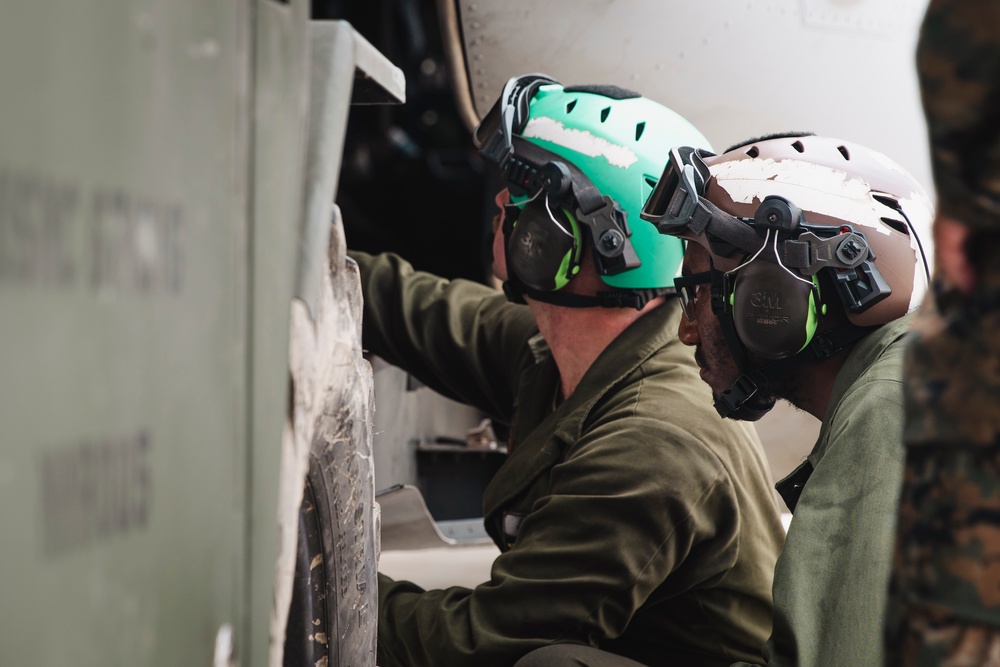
x: 944, y: 600
x: 944, y: 597
x: 958, y: 62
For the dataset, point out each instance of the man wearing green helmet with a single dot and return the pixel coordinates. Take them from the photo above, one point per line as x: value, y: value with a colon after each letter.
x: 632, y: 520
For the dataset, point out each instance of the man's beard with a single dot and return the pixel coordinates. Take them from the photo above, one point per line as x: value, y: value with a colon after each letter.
x: 789, y: 385
x: 749, y: 410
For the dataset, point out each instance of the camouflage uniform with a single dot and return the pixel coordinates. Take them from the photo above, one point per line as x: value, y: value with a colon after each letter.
x: 945, y: 592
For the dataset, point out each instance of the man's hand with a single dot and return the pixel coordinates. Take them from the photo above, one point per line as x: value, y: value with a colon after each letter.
x: 951, y: 258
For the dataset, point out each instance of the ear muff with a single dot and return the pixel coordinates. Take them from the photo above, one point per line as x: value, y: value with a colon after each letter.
x: 775, y: 314
x: 543, y: 248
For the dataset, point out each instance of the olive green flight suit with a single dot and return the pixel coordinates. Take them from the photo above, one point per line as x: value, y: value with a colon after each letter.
x: 630, y: 517
x: 831, y: 580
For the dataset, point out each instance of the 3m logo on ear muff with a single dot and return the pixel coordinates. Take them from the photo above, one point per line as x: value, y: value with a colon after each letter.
x: 769, y: 300
x: 774, y: 313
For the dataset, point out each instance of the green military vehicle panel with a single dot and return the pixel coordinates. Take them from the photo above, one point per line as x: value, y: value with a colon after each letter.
x: 152, y: 215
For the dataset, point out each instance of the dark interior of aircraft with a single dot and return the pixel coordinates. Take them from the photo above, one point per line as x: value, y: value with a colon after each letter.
x: 411, y: 180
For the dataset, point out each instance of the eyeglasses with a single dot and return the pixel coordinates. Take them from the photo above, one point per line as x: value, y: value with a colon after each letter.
x: 687, y: 291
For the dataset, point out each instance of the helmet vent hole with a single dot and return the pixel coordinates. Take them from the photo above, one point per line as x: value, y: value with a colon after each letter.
x: 898, y: 225
x: 650, y: 181
x: 570, y: 106
x: 799, y: 147
x: 753, y: 152
x: 891, y: 202
x: 639, y: 129
x: 843, y: 151
x: 605, y: 112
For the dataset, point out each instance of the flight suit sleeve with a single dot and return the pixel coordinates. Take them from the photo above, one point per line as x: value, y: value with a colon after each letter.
x: 624, y: 517
x: 832, y: 577
x: 461, y: 338
x: 944, y: 603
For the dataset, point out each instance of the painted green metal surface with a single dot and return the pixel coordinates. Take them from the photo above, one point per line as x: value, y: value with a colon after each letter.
x: 276, y: 171
x: 154, y: 237
x: 123, y: 321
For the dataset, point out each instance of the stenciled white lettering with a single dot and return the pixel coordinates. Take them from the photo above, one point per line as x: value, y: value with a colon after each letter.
x: 54, y: 235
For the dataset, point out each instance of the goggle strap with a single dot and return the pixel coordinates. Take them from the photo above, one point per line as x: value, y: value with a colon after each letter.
x: 588, y: 198
x: 637, y: 298
x: 711, y: 220
x: 506, y: 130
x: 506, y: 117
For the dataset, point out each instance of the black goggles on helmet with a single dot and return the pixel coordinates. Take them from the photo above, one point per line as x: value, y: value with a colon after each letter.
x: 494, y: 136
x: 677, y: 206
x: 676, y: 199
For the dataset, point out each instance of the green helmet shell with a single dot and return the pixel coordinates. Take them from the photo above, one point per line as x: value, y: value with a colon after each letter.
x: 621, y: 145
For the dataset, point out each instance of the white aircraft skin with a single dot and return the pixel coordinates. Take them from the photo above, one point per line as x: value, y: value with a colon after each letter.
x: 735, y: 68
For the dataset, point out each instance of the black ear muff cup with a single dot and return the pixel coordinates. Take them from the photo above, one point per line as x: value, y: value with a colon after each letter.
x: 774, y: 313
x: 539, y: 253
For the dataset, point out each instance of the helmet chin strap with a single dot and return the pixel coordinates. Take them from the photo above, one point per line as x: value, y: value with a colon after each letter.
x: 636, y: 298
x: 732, y: 403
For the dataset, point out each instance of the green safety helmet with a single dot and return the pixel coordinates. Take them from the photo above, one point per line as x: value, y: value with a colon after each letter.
x: 580, y: 162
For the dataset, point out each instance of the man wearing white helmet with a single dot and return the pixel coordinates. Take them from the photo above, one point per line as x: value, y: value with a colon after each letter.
x: 629, y: 517
x: 801, y: 267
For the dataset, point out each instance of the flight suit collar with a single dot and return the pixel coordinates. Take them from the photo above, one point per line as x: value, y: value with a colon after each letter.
x: 548, y: 434
x: 865, y: 353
